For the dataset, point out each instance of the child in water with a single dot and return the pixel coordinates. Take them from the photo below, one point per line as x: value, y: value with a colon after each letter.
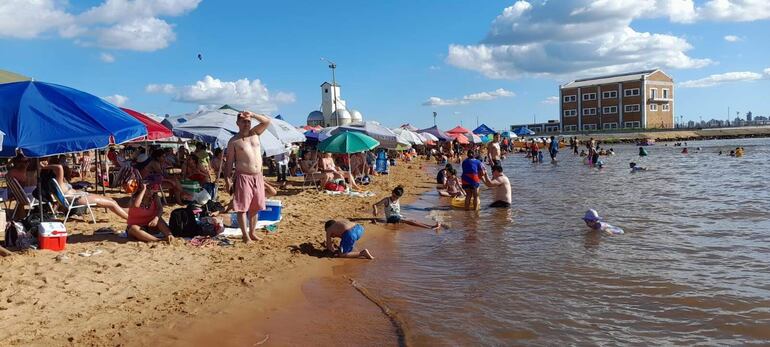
x: 392, y: 209
x: 594, y: 222
x: 635, y: 168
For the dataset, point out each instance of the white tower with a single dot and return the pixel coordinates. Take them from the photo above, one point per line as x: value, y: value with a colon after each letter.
x: 330, y: 103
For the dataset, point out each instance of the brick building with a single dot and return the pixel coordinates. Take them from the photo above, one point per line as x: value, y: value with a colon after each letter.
x: 643, y: 99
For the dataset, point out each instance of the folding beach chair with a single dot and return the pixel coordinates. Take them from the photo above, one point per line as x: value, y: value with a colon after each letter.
x: 70, y: 204
x: 23, y: 198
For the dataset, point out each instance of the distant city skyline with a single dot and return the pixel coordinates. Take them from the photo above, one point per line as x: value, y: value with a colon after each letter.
x: 499, y: 61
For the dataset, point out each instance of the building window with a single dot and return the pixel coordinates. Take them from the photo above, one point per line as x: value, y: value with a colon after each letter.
x: 551, y: 129
x: 653, y: 107
x: 589, y: 126
x: 326, y: 90
x: 570, y: 128
x: 590, y: 111
x: 666, y: 107
x: 632, y: 125
x: 570, y: 113
x: 631, y: 92
x: 609, y: 109
x: 589, y: 96
x: 610, y: 95
x: 631, y: 108
x: 610, y: 125
x: 570, y: 98
x: 665, y: 93
x: 653, y: 93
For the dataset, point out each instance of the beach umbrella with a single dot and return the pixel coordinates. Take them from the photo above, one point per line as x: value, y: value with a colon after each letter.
x: 217, y: 127
x: 385, y: 136
x: 428, y: 137
x: 43, y: 119
x: 483, y: 129
x: 346, y: 143
x: 409, y: 127
x: 458, y: 130
x: 408, y: 136
x: 509, y: 135
x: 155, y: 130
x: 473, y: 138
x: 460, y: 138
x: 285, y: 132
x: 523, y: 131
x: 437, y: 134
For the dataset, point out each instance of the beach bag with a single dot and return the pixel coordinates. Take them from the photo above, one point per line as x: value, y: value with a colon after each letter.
x: 16, y: 235
x: 183, y: 223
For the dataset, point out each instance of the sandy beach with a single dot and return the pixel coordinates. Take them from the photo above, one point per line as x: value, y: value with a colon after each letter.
x: 133, y: 293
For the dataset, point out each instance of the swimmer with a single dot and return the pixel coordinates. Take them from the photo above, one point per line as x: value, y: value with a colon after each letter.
x: 583, y: 153
x: 642, y: 152
x: 594, y: 222
x: 348, y: 233
x: 720, y: 152
x: 635, y: 168
x: 599, y: 164
x: 685, y: 151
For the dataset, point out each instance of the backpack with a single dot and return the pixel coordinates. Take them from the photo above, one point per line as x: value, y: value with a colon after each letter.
x: 17, y: 236
x: 183, y: 223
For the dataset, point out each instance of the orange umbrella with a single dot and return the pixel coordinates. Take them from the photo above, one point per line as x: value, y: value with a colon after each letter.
x: 459, y: 137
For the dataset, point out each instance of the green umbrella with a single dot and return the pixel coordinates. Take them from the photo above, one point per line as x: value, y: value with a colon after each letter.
x: 348, y: 142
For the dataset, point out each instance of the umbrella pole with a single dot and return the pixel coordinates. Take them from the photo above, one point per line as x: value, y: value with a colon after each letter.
x: 350, y: 174
x: 96, y: 172
x: 39, y: 192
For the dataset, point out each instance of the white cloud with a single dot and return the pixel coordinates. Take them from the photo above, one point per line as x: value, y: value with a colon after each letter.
x: 26, y: 19
x: 119, y: 24
x: 243, y: 93
x: 550, y: 100
x: 735, y: 10
x: 467, y: 99
x: 141, y: 34
x: 732, y: 38
x: 160, y: 88
x: 715, y: 80
x: 434, y: 68
x: 767, y: 71
x: 106, y: 57
x: 577, y: 38
x: 117, y: 99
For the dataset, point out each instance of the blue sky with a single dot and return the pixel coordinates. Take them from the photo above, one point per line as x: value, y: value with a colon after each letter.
x: 499, y: 61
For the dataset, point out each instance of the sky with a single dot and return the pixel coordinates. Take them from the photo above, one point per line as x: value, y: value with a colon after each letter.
x: 398, y: 61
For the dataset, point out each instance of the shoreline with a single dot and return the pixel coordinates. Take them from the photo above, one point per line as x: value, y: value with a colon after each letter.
x: 133, y: 291
x: 675, y: 134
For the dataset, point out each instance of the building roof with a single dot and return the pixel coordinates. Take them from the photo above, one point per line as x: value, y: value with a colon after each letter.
x: 630, y: 76
x: 315, y: 116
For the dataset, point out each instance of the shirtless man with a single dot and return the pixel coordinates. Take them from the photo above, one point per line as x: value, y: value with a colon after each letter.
x: 493, y: 151
x: 501, y: 187
x: 245, y: 151
x: 348, y: 233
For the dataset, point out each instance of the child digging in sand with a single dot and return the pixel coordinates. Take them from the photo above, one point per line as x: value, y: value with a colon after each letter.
x: 392, y: 209
x: 348, y: 233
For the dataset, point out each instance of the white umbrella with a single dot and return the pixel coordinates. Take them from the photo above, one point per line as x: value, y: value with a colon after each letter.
x: 285, y: 132
x: 429, y: 136
x: 408, y: 136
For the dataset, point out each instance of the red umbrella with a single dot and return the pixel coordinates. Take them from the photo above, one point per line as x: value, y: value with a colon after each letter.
x: 155, y: 130
x: 458, y: 130
x: 459, y: 137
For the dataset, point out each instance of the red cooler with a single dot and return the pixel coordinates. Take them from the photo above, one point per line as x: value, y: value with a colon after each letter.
x: 52, y: 236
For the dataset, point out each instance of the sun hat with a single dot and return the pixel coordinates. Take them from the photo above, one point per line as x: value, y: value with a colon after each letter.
x: 592, y: 216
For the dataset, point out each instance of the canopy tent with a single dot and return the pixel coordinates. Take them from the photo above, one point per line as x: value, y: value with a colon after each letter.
x: 458, y: 130
x: 155, y: 130
x: 285, y: 132
x: 217, y: 127
x: 42, y: 119
x: 523, y: 131
x: 483, y: 129
x: 407, y: 136
x: 427, y: 137
x: 460, y: 138
x: 438, y: 134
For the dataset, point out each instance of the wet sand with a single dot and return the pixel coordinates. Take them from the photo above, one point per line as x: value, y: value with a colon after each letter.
x: 137, y: 294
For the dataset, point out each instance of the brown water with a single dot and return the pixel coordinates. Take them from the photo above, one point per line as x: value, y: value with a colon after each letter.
x: 692, y: 268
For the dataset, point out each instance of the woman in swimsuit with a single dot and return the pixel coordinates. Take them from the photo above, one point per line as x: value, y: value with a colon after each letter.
x: 100, y: 201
